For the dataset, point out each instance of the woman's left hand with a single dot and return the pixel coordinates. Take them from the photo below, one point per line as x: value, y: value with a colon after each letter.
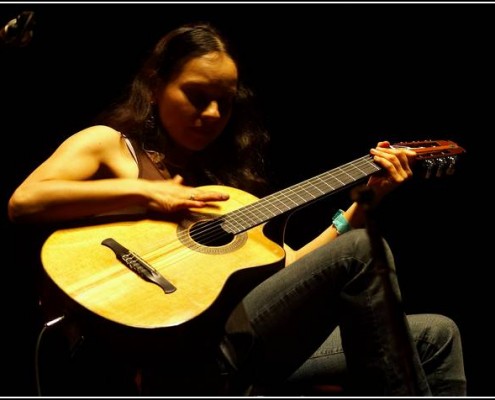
x: 396, y: 164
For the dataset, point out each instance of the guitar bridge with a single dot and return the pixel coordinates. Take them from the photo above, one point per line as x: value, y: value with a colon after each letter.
x: 139, y: 266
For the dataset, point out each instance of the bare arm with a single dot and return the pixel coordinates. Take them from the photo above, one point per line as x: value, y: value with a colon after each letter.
x: 396, y: 167
x: 93, y: 172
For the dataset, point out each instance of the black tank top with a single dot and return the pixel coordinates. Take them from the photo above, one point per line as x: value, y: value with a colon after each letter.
x: 149, y: 165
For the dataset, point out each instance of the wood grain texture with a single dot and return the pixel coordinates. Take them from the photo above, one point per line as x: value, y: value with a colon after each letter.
x: 90, y: 273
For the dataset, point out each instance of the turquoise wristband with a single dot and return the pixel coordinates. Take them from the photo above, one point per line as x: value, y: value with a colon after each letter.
x: 340, y: 223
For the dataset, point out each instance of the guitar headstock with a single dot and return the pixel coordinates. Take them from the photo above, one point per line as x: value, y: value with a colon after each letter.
x: 438, y: 157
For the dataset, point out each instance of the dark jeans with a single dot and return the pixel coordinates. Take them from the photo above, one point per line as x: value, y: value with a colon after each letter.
x: 295, y: 327
x: 299, y: 323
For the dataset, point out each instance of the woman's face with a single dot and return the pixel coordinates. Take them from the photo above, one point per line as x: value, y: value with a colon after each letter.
x: 195, y: 105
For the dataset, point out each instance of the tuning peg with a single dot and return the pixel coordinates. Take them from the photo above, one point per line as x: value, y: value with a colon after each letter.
x: 451, y: 168
x: 429, y: 164
x: 442, y: 164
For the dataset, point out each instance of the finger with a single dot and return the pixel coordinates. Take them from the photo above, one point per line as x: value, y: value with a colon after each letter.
x: 178, y: 179
x: 391, y: 164
x: 208, y: 196
x: 383, y: 144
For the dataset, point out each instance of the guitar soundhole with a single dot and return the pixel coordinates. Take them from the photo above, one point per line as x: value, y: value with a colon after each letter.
x: 204, y: 234
x: 210, y: 233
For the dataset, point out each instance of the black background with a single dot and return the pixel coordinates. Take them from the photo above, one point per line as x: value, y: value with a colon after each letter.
x: 332, y: 80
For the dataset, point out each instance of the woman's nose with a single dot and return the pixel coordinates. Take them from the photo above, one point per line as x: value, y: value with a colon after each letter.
x: 212, y: 110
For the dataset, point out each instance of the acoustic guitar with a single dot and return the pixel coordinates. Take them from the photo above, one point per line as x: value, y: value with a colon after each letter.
x: 161, y: 272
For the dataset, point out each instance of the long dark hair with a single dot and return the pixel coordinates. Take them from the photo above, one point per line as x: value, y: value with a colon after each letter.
x: 236, y: 158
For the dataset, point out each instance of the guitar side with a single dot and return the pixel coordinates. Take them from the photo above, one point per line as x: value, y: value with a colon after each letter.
x: 91, y: 275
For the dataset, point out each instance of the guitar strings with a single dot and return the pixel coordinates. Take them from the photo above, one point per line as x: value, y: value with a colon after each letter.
x: 250, y: 216
x: 273, y: 205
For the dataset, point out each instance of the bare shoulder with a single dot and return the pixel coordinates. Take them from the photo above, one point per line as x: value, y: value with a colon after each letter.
x: 98, y: 142
x: 95, y: 137
x: 106, y: 146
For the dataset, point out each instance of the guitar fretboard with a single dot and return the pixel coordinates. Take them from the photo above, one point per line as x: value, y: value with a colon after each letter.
x: 298, y: 195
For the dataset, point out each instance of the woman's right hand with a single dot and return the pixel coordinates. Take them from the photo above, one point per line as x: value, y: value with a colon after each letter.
x: 171, y: 195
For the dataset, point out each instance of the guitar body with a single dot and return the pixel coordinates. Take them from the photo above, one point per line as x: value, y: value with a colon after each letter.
x: 209, y: 280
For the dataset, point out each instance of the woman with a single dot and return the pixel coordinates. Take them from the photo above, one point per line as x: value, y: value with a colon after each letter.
x: 187, y: 122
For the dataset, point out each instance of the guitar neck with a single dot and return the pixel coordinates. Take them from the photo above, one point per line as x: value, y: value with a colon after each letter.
x: 299, y: 195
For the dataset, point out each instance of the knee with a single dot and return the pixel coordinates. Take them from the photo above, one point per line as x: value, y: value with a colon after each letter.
x: 438, y: 341
x: 359, y: 243
x: 438, y: 334
x: 444, y: 330
x: 361, y: 247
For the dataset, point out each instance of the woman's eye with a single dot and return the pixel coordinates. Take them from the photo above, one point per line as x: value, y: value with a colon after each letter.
x: 202, y: 100
x: 199, y: 100
x: 225, y: 104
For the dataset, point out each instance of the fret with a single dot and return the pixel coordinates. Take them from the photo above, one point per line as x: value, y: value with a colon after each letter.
x: 298, y: 195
